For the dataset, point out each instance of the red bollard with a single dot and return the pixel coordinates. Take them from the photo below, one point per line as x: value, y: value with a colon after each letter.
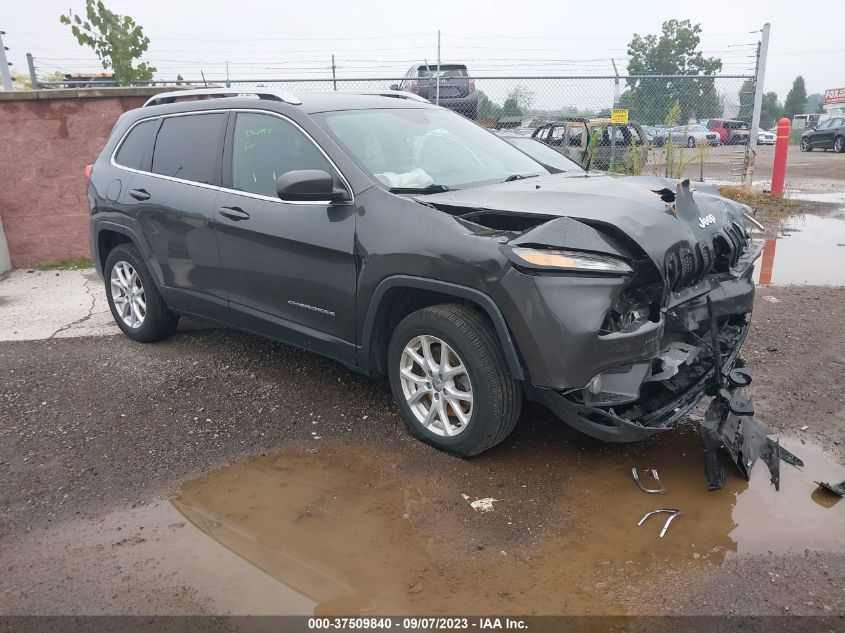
x: 781, y: 148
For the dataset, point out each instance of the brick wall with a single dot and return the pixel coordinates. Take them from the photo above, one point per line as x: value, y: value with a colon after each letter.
x: 47, y: 138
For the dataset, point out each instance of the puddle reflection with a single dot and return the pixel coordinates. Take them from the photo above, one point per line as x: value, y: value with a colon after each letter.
x: 352, y: 535
x: 809, y: 250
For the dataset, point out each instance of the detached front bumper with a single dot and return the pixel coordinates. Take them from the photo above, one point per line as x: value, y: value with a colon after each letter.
x: 651, y: 414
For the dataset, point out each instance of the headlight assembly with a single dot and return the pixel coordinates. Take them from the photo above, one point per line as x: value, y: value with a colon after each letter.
x: 563, y: 260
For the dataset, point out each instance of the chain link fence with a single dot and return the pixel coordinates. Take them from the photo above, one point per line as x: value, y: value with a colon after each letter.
x: 680, y: 126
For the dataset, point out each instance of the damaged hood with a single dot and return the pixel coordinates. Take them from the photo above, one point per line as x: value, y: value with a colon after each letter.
x: 656, y: 217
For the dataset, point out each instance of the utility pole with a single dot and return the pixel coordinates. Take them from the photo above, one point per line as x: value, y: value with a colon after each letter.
x: 228, y: 83
x: 334, y: 77
x: 759, y: 77
x: 437, y: 89
x: 615, y: 105
x: 4, y: 65
x: 32, y: 77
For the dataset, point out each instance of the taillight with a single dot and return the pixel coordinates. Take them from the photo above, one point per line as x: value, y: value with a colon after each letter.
x: 415, y: 85
x: 472, y: 84
x: 88, y: 169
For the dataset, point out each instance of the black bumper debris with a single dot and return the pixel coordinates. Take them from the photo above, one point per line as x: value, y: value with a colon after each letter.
x: 729, y: 424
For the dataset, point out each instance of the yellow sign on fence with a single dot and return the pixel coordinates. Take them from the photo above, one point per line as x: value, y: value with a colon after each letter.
x: 619, y: 116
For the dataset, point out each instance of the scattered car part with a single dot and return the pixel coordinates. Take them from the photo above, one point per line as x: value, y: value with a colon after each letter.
x: 482, y: 505
x: 655, y: 476
x: 672, y: 512
x: 837, y: 489
x: 729, y: 423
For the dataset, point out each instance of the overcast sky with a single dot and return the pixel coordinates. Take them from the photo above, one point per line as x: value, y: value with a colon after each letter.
x: 263, y: 39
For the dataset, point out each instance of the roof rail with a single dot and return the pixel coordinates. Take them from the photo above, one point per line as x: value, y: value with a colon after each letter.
x: 262, y: 93
x: 398, y: 94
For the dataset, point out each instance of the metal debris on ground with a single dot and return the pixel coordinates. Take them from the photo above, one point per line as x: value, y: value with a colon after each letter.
x: 837, y: 489
x: 672, y: 512
x: 655, y: 476
x: 729, y: 423
x: 483, y: 505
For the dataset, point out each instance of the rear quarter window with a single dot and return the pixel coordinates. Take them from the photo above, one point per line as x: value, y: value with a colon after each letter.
x: 189, y: 148
x: 134, y: 150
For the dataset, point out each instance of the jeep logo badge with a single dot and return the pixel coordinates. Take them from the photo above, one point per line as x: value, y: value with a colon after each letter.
x: 707, y: 220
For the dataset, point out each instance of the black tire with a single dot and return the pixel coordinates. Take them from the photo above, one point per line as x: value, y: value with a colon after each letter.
x: 839, y: 144
x: 497, y: 397
x: 690, y: 142
x: 805, y: 145
x: 159, y: 322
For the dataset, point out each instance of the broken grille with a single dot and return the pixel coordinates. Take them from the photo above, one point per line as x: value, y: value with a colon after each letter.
x: 688, y: 266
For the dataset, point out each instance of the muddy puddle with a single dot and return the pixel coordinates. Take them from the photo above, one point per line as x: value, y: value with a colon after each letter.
x: 808, y: 250
x: 342, y: 530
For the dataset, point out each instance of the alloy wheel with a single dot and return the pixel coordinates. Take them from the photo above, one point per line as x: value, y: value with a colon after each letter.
x: 839, y: 144
x: 127, y: 292
x: 436, y: 385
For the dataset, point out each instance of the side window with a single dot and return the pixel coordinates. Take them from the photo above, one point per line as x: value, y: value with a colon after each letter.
x: 188, y: 147
x: 265, y: 147
x: 133, y: 151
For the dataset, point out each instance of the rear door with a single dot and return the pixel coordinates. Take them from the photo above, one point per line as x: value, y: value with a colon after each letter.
x: 171, y: 197
x: 288, y: 267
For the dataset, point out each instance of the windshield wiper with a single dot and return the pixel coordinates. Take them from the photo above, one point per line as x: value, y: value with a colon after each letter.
x: 427, y: 189
x: 513, y: 177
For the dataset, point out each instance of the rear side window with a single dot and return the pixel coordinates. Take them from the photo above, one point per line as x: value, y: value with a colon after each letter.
x: 264, y: 148
x: 445, y: 71
x: 188, y: 147
x: 133, y: 151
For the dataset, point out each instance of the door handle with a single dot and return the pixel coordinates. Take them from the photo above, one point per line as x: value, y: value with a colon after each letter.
x: 234, y: 213
x: 139, y: 194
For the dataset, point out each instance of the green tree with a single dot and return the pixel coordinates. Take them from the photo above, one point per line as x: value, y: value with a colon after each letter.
x: 796, y: 99
x: 487, y: 107
x: 746, y: 101
x: 771, y: 110
x: 673, y: 52
x: 116, y: 39
x: 517, y: 102
x: 815, y: 103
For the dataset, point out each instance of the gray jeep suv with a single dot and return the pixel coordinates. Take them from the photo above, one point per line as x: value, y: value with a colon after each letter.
x: 401, y: 239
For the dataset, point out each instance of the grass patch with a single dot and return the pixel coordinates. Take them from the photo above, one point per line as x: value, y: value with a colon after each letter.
x: 764, y: 204
x: 77, y: 263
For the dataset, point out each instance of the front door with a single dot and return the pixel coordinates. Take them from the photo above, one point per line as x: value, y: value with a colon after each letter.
x: 289, y: 268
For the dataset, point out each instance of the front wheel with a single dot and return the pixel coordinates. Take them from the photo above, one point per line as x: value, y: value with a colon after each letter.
x: 450, y: 380
x: 135, y: 303
x: 691, y: 142
x: 839, y: 144
x: 805, y: 145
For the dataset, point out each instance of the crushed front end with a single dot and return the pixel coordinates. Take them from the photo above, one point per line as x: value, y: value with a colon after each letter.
x: 682, y: 328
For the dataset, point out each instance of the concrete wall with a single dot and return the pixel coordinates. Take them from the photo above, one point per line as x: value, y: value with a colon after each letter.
x: 47, y: 137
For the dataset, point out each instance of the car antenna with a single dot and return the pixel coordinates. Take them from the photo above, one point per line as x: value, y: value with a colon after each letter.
x: 202, y: 74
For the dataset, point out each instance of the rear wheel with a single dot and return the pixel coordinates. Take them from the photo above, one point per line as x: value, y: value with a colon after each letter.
x: 450, y: 380
x: 135, y: 303
x: 691, y: 142
x: 839, y: 144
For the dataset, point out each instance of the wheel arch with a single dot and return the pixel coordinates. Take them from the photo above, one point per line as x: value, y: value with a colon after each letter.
x: 397, y: 296
x: 108, y: 235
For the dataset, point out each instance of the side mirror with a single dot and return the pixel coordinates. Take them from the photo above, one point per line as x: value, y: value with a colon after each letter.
x: 394, y: 86
x: 309, y: 185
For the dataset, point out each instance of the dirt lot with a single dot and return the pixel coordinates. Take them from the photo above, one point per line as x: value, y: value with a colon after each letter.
x: 99, y: 433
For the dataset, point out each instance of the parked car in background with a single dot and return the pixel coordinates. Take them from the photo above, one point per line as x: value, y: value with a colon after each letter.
x: 456, y: 90
x: 588, y: 141
x: 765, y: 137
x: 730, y: 131
x: 829, y: 134
x: 657, y: 134
x: 549, y: 157
x: 693, y: 135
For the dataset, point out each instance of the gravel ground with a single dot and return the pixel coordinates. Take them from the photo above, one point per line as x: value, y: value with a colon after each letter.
x: 91, y: 425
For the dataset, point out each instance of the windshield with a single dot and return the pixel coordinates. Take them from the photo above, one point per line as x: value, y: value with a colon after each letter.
x: 417, y: 148
x: 544, y: 154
